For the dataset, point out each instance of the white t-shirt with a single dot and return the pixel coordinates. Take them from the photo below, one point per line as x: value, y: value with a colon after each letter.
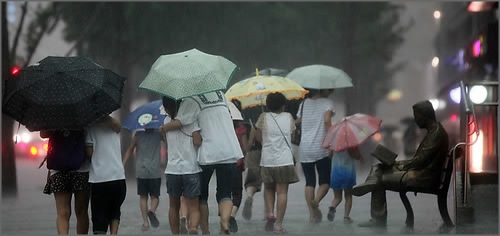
x: 182, y: 154
x: 106, y: 163
x: 220, y: 144
x: 313, y: 128
x: 275, y: 150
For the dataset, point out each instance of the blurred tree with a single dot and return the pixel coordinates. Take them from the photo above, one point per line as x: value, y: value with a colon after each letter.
x: 9, y: 177
x: 45, y: 20
x: 357, y: 37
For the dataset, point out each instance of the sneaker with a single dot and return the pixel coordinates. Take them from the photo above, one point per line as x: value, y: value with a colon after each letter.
x: 247, y: 209
x: 154, y: 221
x: 233, y: 226
x: 331, y: 213
x: 347, y: 220
x: 372, y: 223
x: 183, y: 226
x: 270, y: 224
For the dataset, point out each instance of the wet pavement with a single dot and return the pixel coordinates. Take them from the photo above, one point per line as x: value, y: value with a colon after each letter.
x: 33, y: 212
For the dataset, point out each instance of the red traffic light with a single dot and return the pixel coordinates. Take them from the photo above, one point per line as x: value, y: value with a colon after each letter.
x: 15, y: 70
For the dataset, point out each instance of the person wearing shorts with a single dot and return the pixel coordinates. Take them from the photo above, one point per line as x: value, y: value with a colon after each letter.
x: 274, y: 128
x: 106, y: 176
x: 182, y: 172
x: 65, y: 184
x: 147, y: 145
x: 315, y: 114
x: 220, y: 150
x: 253, y: 180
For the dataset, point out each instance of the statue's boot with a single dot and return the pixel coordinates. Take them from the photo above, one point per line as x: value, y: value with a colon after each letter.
x: 372, y: 182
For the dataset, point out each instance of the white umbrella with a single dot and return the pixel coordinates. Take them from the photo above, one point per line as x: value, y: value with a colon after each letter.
x: 320, y: 77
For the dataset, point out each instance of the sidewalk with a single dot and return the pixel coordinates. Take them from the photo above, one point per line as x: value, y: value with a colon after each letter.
x: 33, y: 212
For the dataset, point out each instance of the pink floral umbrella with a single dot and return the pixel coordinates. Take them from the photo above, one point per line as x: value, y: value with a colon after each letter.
x: 351, y: 131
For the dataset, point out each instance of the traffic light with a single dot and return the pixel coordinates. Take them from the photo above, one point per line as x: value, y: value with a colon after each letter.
x: 15, y: 70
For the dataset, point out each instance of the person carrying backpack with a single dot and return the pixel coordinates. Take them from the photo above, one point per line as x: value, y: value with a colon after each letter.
x: 64, y: 182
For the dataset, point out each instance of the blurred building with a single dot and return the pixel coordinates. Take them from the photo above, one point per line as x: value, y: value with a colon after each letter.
x: 467, y: 48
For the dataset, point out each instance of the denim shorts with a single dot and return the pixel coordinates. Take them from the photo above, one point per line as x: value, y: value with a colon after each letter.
x: 225, y: 177
x: 187, y: 185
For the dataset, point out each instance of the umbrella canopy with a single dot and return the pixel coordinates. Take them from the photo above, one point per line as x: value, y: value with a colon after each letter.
x: 351, y: 131
x: 253, y: 91
x: 188, y: 73
x: 63, y: 93
x: 148, y: 116
x: 320, y: 77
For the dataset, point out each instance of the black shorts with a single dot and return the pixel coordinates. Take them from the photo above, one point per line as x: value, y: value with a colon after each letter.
x: 324, y: 168
x: 106, y: 199
x: 149, y: 187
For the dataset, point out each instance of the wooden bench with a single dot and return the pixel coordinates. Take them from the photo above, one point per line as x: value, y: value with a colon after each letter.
x: 441, y: 192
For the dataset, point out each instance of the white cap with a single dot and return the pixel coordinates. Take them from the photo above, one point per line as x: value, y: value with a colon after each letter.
x: 235, y: 113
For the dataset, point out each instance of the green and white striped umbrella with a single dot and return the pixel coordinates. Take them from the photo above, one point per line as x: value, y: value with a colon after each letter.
x: 188, y: 73
x: 320, y: 77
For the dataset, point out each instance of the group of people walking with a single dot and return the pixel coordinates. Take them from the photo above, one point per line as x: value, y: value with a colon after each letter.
x: 204, y: 134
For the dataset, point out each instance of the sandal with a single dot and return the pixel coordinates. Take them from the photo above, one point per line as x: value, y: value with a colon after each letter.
x: 279, y: 230
x: 270, y: 223
x: 145, y: 228
x: 154, y: 221
x: 331, y: 213
x: 347, y: 220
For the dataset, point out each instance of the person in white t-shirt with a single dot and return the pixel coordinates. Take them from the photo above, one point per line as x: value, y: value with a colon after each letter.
x: 106, y: 176
x: 218, y: 152
x: 274, y: 129
x: 315, y: 115
x: 182, y: 171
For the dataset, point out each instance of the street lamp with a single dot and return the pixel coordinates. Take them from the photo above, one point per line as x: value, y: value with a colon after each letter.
x: 437, y: 14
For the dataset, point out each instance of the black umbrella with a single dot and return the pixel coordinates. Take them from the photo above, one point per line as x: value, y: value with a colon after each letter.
x: 62, y: 93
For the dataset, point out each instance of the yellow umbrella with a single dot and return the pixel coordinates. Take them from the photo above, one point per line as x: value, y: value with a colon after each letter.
x: 253, y: 91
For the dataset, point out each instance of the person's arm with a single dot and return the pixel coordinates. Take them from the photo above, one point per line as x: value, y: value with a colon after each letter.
x: 113, y: 123
x: 197, y: 139
x: 258, y: 127
x: 327, y: 119
x: 129, y: 151
x: 89, y: 151
x: 172, y: 125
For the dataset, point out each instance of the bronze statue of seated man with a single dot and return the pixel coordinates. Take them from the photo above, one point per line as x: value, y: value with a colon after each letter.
x: 421, y: 171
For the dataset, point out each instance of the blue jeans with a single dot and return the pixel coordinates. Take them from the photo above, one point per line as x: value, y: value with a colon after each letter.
x: 225, y: 177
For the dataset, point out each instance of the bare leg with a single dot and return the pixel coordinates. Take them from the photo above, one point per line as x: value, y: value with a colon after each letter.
x: 225, y: 208
x: 309, y: 195
x: 204, y: 218
x: 348, y: 202
x: 113, y: 227
x: 173, y: 214
x: 183, y: 212
x: 63, y: 208
x: 337, y: 198
x: 193, y: 209
x: 269, y: 197
x: 281, y: 203
x: 82, y: 211
x: 321, y: 193
x: 143, y: 205
x: 155, y: 201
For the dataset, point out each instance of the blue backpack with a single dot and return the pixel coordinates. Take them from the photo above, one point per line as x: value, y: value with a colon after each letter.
x: 66, y: 150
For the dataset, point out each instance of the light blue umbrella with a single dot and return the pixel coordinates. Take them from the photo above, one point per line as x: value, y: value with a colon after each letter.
x: 320, y: 77
x: 188, y: 73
